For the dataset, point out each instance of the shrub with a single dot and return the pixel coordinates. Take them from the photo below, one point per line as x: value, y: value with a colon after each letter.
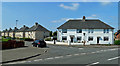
x: 48, y: 39
x: 117, y: 42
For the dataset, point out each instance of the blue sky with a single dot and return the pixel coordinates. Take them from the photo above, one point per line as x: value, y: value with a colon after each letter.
x: 53, y: 14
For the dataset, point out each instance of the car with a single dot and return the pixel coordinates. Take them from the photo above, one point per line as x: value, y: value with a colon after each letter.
x: 39, y: 43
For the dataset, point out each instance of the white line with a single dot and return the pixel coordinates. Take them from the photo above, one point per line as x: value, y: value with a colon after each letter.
x: 83, y: 53
x: 93, y: 52
x: 113, y: 58
x: 59, y: 57
x: 80, y: 48
x: 76, y: 54
x: 49, y: 58
x: 38, y: 59
x: 93, y: 64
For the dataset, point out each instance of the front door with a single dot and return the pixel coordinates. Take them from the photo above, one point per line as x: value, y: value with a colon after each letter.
x: 71, y: 39
x: 98, y: 40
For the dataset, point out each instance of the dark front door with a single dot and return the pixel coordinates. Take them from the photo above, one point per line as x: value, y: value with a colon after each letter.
x: 71, y: 39
x: 98, y: 40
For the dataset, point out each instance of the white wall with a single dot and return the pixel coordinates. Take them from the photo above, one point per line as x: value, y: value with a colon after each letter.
x: 97, y: 33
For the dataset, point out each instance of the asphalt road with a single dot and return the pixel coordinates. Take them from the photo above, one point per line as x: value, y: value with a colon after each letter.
x: 74, y: 55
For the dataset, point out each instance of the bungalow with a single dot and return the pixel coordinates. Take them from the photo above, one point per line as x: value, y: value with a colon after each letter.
x: 37, y: 32
x: 3, y: 33
x: 88, y: 31
x: 21, y: 32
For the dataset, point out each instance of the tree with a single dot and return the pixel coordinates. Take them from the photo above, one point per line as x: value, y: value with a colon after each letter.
x: 51, y: 34
x: 55, y: 33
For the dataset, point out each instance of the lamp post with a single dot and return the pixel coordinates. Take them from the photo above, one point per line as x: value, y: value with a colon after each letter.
x: 16, y: 23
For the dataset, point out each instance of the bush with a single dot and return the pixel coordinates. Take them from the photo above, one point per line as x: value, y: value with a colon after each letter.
x: 48, y: 39
x: 117, y: 42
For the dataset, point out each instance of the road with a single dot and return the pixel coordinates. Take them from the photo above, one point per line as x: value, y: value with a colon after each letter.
x: 74, y: 55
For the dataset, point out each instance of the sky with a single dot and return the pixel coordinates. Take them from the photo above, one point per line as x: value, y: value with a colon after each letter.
x: 53, y: 14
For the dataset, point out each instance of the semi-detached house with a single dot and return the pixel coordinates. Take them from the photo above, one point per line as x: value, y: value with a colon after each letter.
x: 90, y: 31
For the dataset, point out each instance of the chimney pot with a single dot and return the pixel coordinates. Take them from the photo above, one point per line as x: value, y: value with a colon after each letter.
x: 83, y: 18
x: 36, y: 23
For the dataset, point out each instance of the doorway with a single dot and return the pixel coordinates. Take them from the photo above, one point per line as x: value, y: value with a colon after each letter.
x: 71, y: 39
x: 98, y: 40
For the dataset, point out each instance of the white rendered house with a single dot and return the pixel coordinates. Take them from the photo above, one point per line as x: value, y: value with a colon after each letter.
x: 90, y: 31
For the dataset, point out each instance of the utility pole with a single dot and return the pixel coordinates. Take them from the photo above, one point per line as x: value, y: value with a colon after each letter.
x: 16, y: 23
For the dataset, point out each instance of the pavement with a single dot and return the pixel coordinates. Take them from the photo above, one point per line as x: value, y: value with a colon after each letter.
x: 23, y: 53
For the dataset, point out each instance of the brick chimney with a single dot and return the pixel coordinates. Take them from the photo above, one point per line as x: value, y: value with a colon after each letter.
x: 83, y: 18
x: 36, y: 23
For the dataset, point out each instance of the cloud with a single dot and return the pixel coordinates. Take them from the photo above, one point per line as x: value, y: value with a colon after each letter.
x: 92, y: 16
x: 61, y: 20
x: 105, y: 3
x: 73, y: 7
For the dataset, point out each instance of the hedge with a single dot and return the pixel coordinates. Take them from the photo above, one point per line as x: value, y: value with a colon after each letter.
x: 117, y: 42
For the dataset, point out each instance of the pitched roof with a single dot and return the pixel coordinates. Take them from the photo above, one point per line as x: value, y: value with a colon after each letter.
x: 37, y: 27
x: 22, y: 29
x: 85, y: 24
x: 15, y: 29
x: 9, y: 30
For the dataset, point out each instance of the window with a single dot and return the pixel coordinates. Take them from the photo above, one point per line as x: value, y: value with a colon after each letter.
x: 64, y: 30
x: 79, y: 30
x: 106, y: 38
x: 64, y: 38
x: 79, y: 38
x: 106, y: 30
x: 90, y: 30
x: 90, y: 38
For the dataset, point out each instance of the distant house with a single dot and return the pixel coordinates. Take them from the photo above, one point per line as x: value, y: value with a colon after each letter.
x: 12, y: 32
x: 21, y: 32
x: 3, y: 33
x: 7, y: 32
x: 90, y: 31
x: 117, y: 35
x: 37, y: 32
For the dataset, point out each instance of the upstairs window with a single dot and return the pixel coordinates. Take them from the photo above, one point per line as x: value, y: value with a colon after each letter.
x: 64, y: 37
x: 64, y: 30
x: 79, y: 38
x: 90, y: 38
x: 106, y: 30
x: 106, y: 38
x: 90, y: 30
x: 79, y: 30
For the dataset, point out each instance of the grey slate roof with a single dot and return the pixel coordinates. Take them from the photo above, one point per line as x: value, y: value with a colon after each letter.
x: 9, y: 30
x: 87, y: 24
x: 15, y: 30
x: 37, y: 27
x: 23, y: 29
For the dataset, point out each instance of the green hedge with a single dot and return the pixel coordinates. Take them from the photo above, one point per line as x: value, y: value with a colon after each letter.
x: 117, y: 42
x: 48, y: 39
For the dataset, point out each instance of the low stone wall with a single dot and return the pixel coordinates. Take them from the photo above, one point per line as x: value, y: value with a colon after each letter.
x: 64, y: 43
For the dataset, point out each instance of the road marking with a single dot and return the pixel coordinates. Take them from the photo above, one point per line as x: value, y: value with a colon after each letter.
x: 76, y: 54
x: 114, y: 58
x: 93, y: 52
x: 59, y: 57
x: 38, y: 60
x: 82, y: 53
x: 28, y: 61
x: 80, y: 48
x: 93, y: 64
x: 49, y: 58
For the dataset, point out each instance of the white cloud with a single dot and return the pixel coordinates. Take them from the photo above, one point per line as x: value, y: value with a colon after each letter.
x: 73, y: 7
x: 92, y: 16
x: 61, y: 20
x: 105, y: 3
